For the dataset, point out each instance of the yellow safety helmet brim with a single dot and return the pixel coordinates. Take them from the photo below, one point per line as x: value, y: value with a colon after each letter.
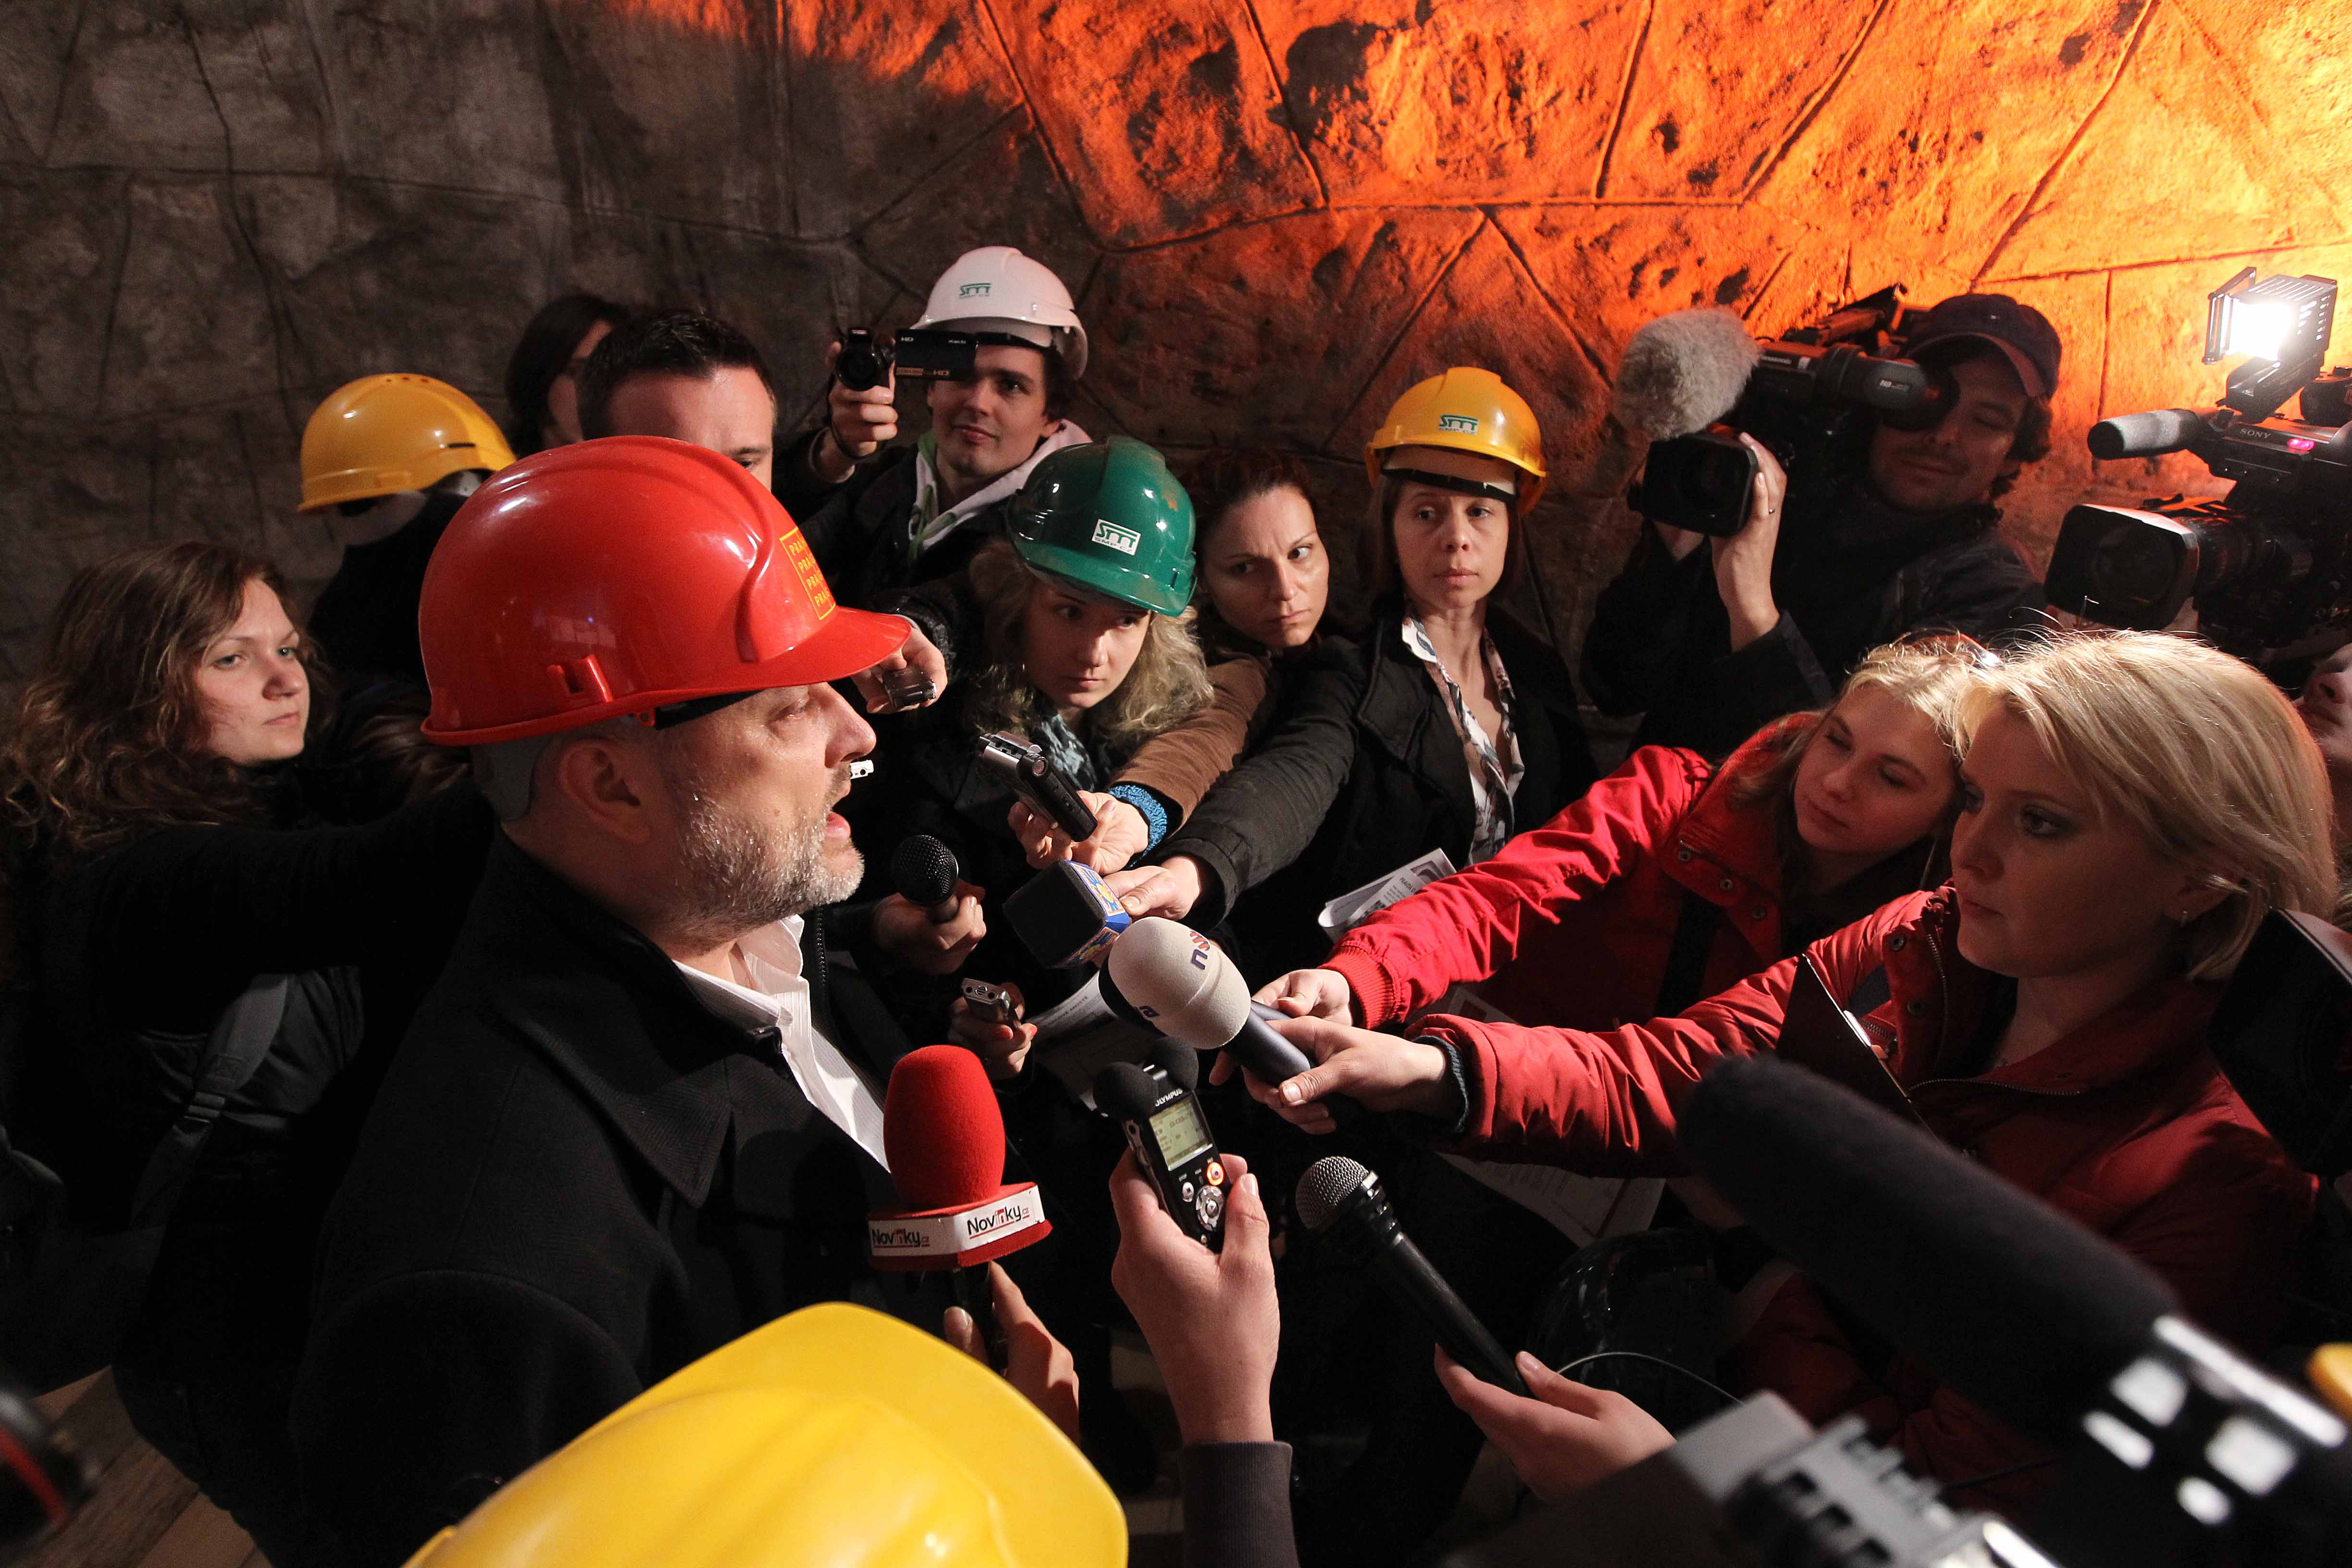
x: 387, y: 433
x: 833, y: 1436
x: 1464, y: 410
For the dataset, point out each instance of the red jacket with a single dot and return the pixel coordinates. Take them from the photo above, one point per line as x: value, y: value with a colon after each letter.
x: 1574, y: 920
x: 2126, y: 1124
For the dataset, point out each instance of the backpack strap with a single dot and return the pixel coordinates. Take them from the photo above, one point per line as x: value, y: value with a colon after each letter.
x: 240, y: 1038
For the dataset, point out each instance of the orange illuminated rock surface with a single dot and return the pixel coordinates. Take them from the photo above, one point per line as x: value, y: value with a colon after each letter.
x: 1276, y: 214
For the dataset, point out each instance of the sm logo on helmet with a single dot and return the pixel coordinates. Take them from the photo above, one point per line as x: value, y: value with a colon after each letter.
x: 1125, y: 540
x: 969, y: 289
x: 1465, y: 423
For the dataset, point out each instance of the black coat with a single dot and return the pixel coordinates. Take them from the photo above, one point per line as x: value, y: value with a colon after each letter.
x: 862, y: 529
x: 1659, y: 641
x: 143, y: 945
x: 365, y: 619
x: 576, y: 1180
x: 1363, y: 771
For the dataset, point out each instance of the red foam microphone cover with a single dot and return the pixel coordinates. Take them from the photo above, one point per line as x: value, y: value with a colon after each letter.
x: 942, y: 1129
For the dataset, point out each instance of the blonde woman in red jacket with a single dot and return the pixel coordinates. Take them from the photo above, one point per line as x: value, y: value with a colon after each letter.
x: 2135, y: 804
x: 1671, y: 879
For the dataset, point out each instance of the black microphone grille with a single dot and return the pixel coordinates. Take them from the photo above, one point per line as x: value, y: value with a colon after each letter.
x: 1324, y: 1188
x: 923, y: 870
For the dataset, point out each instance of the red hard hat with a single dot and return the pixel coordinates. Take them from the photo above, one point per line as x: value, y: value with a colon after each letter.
x: 615, y: 577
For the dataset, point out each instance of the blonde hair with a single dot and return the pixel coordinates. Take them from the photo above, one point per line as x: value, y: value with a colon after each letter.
x: 1929, y: 675
x: 1167, y: 683
x: 2194, y: 748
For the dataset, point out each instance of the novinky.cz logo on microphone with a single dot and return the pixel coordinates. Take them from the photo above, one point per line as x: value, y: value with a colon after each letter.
x: 957, y: 1232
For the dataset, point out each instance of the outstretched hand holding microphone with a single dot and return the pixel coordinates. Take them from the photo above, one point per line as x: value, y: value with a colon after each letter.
x: 1309, y: 1069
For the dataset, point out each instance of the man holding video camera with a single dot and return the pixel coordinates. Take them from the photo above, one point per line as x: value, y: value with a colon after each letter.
x: 1711, y: 644
x: 918, y: 512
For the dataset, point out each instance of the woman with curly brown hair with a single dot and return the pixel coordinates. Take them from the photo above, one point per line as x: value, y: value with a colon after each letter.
x: 171, y: 917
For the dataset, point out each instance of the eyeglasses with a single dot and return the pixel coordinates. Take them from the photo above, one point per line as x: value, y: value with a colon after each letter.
x: 1959, y: 644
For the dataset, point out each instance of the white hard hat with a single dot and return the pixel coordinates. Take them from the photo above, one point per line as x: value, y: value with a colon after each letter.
x: 996, y: 289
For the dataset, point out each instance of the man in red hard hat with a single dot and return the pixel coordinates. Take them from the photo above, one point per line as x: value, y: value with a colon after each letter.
x: 639, y: 1113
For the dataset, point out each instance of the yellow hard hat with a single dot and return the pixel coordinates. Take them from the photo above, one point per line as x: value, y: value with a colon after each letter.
x: 833, y: 1436
x: 1466, y: 410
x: 387, y: 433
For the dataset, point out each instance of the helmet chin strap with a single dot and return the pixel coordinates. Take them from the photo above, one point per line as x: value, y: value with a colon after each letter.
x: 1454, y: 482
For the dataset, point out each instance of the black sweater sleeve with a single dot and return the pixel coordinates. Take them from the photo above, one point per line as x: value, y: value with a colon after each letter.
x: 196, y: 912
x: 1237, y: 1505
x: 1263, y: 815
x: 1641, y: 623
x: 1658, y: 645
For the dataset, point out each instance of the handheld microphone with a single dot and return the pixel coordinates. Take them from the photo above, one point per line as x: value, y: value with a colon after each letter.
x: 2149, y: 435
x: 1127, y: 1011
x: 1188, y: 990
x: 1683, y: 372
x: 2049, y: 1326
x: 1341, y: 1198
x: 1066, y: 915
x: 924, y: 872
x: 945, y: 1138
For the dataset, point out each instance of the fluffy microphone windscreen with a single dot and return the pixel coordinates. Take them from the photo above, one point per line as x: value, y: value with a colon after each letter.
x: 1683, y: 372
x: 1194, y: 993
x: 923, y: 871
x: 942, y: 1129
x: 2023, y: 1309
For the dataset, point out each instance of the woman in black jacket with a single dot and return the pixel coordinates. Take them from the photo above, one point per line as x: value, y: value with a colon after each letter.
x: 1446, y: 727
x: 157, y: 892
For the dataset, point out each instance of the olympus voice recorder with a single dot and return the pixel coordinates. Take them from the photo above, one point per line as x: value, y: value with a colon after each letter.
x: 1155, y: 1105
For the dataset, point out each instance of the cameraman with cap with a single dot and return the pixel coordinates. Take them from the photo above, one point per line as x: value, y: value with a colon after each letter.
x: 1710, y: 645
x: 923, y: 511
x: 638, y: 1115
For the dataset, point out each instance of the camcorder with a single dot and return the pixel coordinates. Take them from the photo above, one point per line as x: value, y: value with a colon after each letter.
x: 2267, y: 563
x: 1812, y: 399
x: 917, y: 354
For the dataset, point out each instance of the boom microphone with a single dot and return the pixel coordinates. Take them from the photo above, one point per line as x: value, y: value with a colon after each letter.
x: 2022, y: 1308
x: 945, y: 1138
x: 2149, y: 435
x: 1683, y: 372
x: 924, y: 872
x: 2051, y: 1327
x: 1341, y: 1198
x: 1188, y: 990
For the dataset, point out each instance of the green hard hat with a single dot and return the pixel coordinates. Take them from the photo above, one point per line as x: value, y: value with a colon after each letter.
x: 1110, y: 518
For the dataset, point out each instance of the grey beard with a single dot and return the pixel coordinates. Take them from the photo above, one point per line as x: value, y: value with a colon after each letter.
x: 732, y: 880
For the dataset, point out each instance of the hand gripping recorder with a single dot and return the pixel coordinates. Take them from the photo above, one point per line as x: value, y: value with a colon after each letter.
x: 1155, y: 1106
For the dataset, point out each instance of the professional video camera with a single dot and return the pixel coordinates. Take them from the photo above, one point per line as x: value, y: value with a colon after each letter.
x: 2268, y: 563
x: 1694, y: 381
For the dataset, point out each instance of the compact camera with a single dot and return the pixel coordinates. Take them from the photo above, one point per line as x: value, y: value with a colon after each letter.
x: 917, y: 354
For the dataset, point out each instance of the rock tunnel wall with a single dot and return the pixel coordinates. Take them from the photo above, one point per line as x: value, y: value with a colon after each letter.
x: 1276, y: 215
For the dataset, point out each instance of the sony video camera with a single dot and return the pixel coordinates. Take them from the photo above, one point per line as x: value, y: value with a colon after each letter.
x: 1812, y: 397
x: 917, y: 354
x: 2268, y: 563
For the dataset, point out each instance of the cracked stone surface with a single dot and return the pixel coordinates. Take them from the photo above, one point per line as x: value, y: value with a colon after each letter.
x: 1276, y: 214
